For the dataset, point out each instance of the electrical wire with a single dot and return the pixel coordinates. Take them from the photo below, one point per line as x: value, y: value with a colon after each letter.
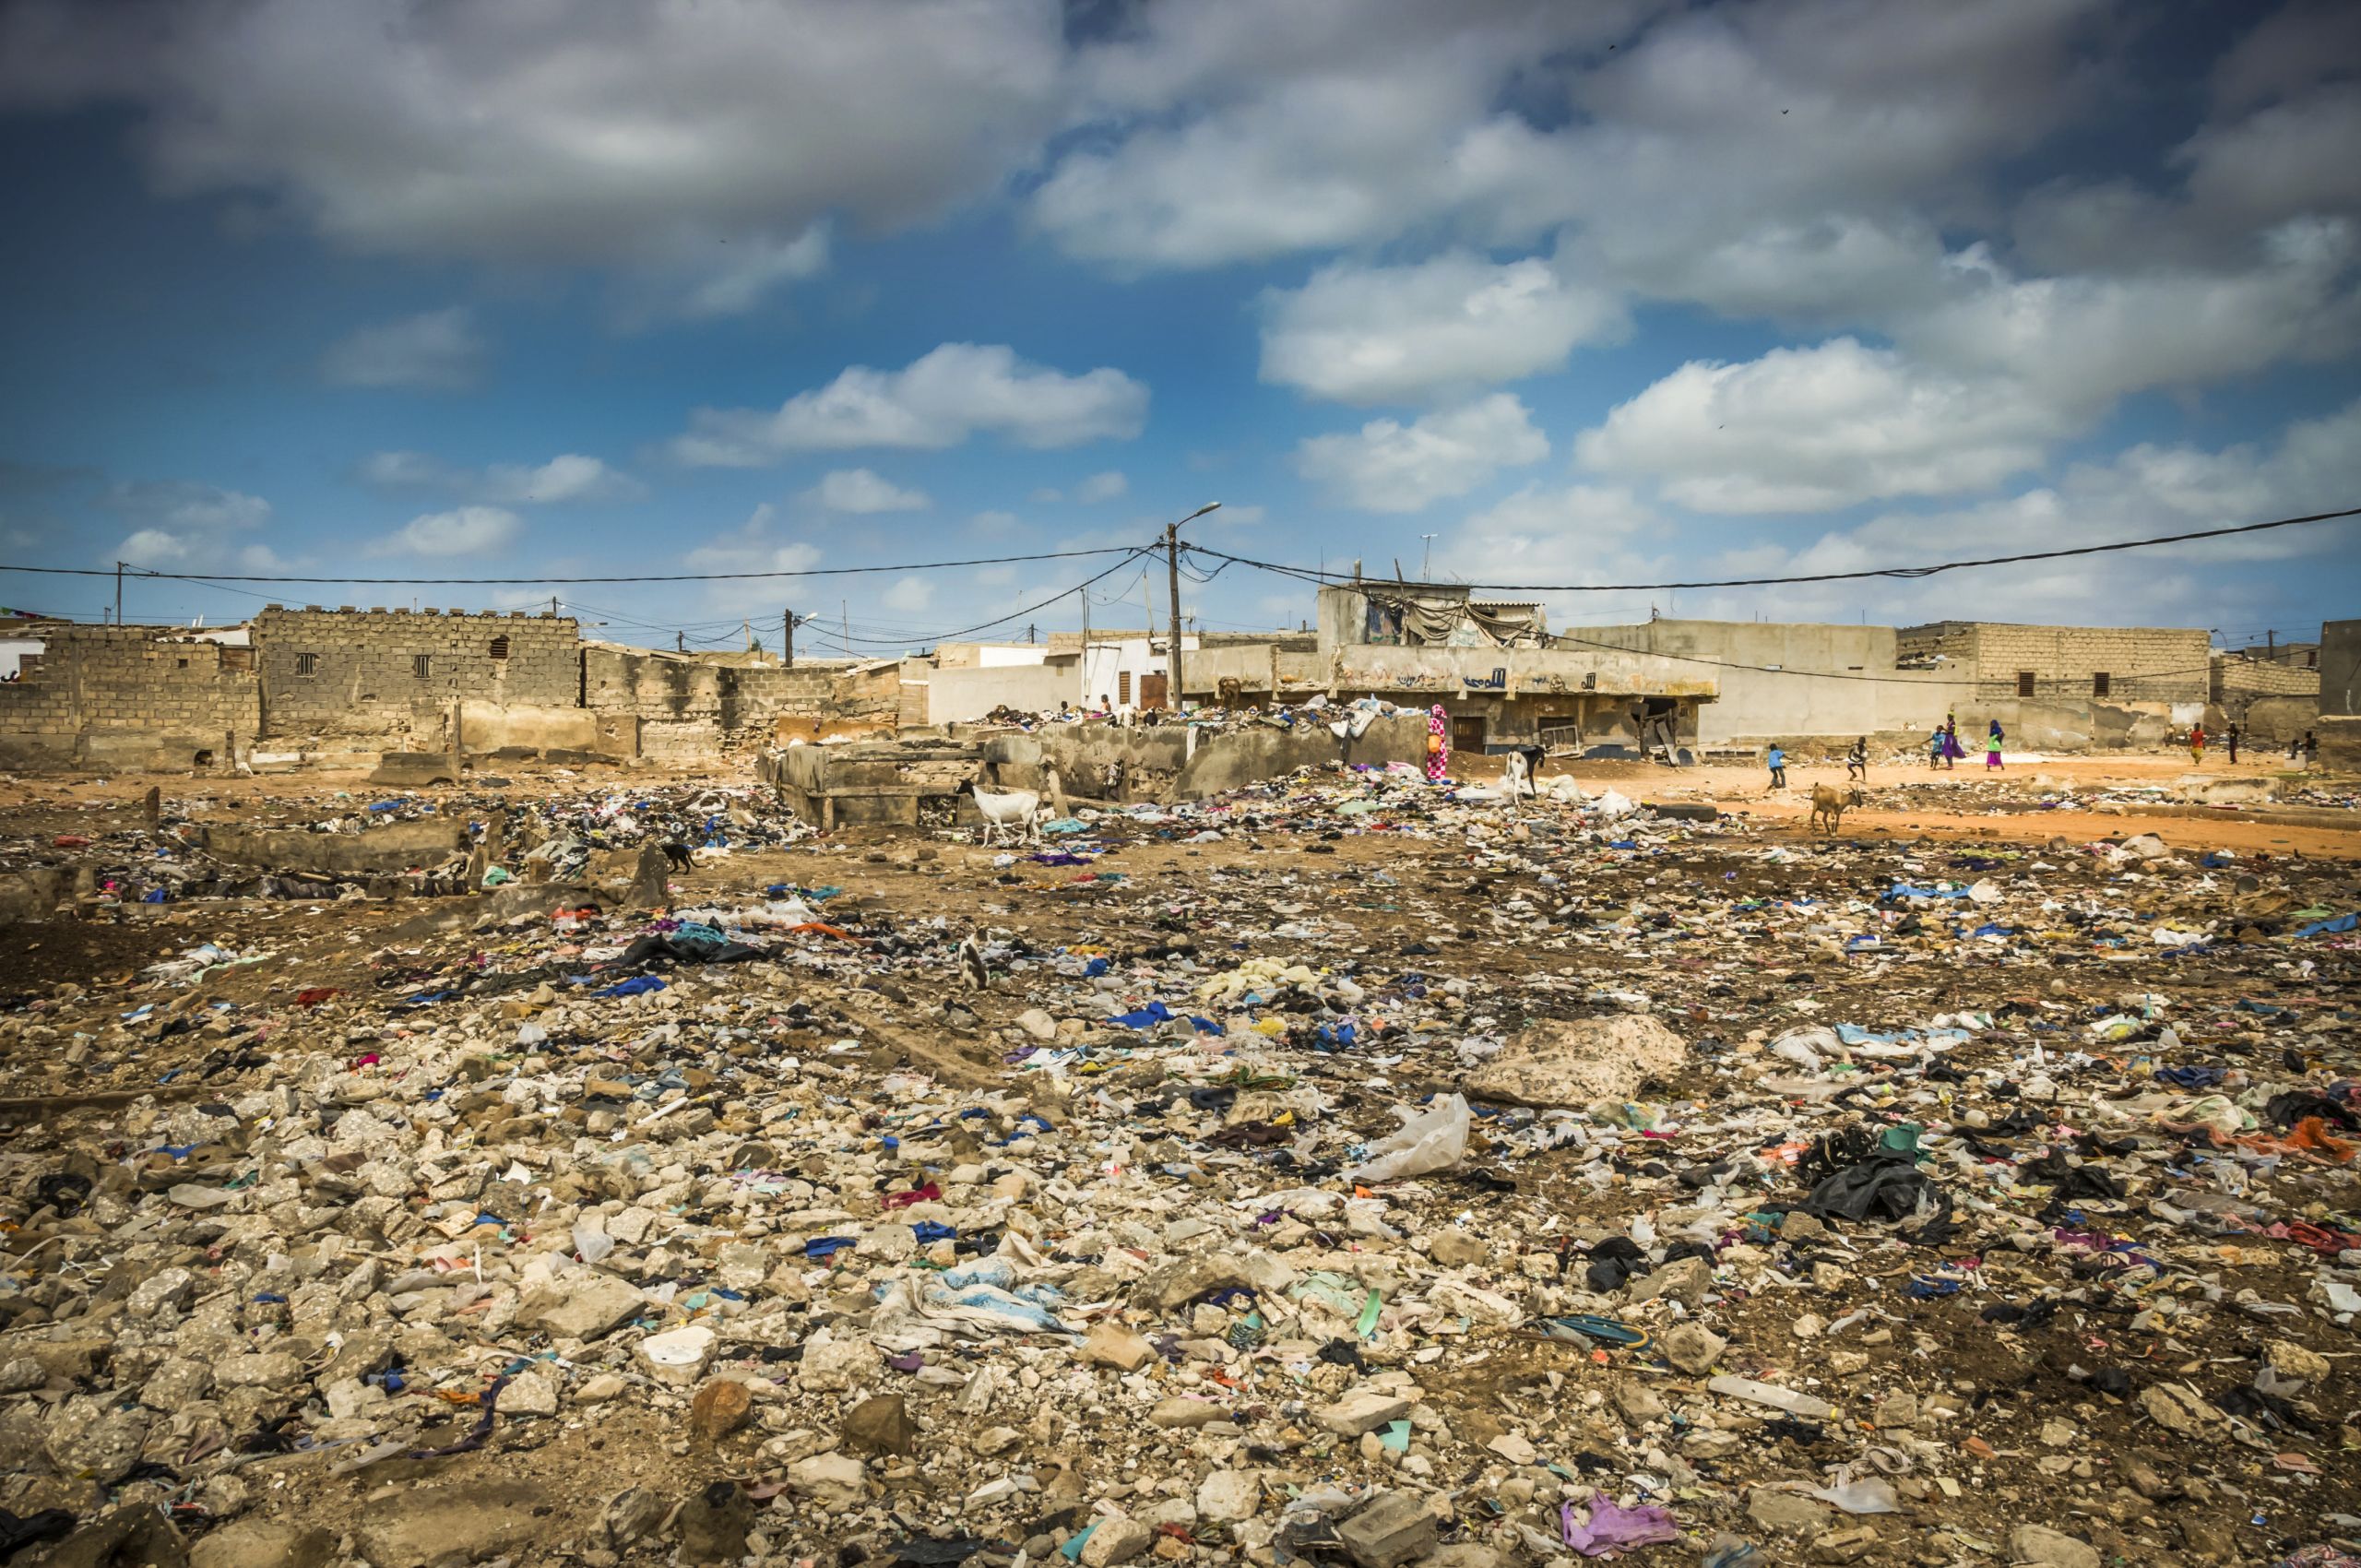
x: 1312, y: 575
x: 1127, y: 551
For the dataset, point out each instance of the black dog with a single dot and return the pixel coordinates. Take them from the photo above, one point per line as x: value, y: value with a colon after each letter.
x: 679, y: 855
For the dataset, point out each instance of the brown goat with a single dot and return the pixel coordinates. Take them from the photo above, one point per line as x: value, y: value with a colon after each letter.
x: 1830, y: 803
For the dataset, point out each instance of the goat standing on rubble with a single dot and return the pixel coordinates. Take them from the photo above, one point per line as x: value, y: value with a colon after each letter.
x: 1830, y: 803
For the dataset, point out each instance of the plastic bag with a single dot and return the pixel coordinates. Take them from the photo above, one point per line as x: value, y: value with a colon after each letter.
x: 1434, y: 1139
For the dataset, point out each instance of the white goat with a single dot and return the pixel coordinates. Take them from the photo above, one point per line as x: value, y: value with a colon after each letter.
x: 1018, y: 810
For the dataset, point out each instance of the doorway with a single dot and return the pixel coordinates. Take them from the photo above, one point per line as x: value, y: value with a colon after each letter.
x: 1151, y: 689
x: 1467, y: 735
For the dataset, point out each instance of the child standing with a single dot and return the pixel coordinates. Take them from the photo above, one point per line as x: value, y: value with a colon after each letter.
x: 1992, y: 746
x: 1778, y: 767
x: 1856, y: 761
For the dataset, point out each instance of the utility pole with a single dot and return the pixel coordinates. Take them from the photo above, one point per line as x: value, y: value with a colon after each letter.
x: 844, y: 608
x: 746, y: 630
x: 1172, y: 570
x: 1426, y: 559
x: 552, y: 605
x: 118, y: 593
x: 681, y: 641
x: 2269, y: 641
x: 786, y: 639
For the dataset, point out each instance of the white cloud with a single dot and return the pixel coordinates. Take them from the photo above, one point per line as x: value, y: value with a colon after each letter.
x: 863, y: 491
x: 439, y: 351
x: 1390, y: 466
x: 994, y: 525
x: 1817, y: 428
x: 565, y: 132
x: 1099, y: 488
x: 1359, y: 334
x: 569, y: 477
x: 908, y: 595
x: 955, y: 392
x: 757, y: 266
x: 182, y: 522
x: 752, y: 548
x: 466, y: 530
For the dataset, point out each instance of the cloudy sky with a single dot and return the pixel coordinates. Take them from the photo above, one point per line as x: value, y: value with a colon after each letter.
x: 1595, y: 293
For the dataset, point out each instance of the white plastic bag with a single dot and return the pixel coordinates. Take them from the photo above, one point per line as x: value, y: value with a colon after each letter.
x: 1433, y: 1139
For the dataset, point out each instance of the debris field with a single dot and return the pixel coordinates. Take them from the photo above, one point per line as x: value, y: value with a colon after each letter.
x: 1351, y: 1169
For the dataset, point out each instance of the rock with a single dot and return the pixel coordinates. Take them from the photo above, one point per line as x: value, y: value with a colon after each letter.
x: 720, y: 1407
x: 272, y: 1369
x: 1115, y: 1540
x: 528, y: 1394
x: 2051, y: 1549
x: 1692, y: 1347
x: 1555, y: 1063
x: 835, y: 1365
x: 165, y: 1290
x: 127, y: 1537
x: 2290, y: 1360
x: 2176, y: 1409
x: 1685, y: 1280
x: 580, y: 1307
x: 834, y: 1480
x: 678, y: 1356
x: 257, y: 1543
x: 90, y: 1437
x: 1357, y: 1413
x: 1227, y: 1496
x: 1037, y: 1024
x: 600, y: 1389
x: 1183, y: 1414
x: 1111, y: 1345
x: 1458, y: 1248
x: 1786, y: 1511
x: 714, y: 1524
x: 882, y: 1424
x: 433, y: 1527
x: 190, y: 1195
x: 633, y: 1513
x: 1391, y: 1529
x: 1177, y: 1283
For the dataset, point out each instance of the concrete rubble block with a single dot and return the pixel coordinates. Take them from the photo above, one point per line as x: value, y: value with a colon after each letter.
x: 1366, y: 1411
x: 440, y: 1526
x: 1393, y: 1529
x: 263, y: 1543
x: 834, y: 1365
x: 834, y: 1480
x: 1174, y: 1284
x: 1556, y: 1063
x: 1111, y: 1345
x: 677, y: 1356
x: 1114, y: 1541
x: 714, y: 1525
x: 1788, y: 1513
x: 580, y: 1306
x: 1225, y: 1497
x: 1692, y: 1347
x: 1685, y: 1280
x: 2040, y: 1546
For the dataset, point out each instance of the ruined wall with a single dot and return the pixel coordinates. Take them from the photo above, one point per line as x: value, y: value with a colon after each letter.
x: 965, y: 693
x: 689, y: 708
x: 127, y: 696
x: 356, y: 674
x: 2168, y: 666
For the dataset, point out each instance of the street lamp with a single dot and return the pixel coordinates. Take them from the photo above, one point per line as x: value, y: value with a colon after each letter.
x: 1427, y: 557
x: 1172, y: 570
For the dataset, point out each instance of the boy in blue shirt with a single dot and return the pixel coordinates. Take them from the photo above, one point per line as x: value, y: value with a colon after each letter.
x: 1778, y: 767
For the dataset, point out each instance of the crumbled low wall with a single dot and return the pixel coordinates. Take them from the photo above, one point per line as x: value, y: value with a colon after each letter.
x: 396, y: 847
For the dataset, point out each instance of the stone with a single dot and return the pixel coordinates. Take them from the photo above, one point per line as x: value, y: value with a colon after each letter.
x: 1037, y: 1024
x: 1391, y: 1529
x: 126, y: 1537
x: 835, y: 1365
x: 882, y: 1424
x: 2290, y: 1360
x: 1554, y: 1063
x: 431, y: 1526
x: 720, y: 1407
x: 90, y: 1437
x: 677, y: 1356
x: 1184, y: 1279
x: 714, y: 1524
x: 1183, y: 1414
x: 1227, y: 1496
x: 1685, y: 1280
x: 580, y: 1307
x: 165, y: 1290
x: 1458, y: 1248
x: 188, y: 1194
x: 528, y: 1394
x: 2038, y: 1544
x: 600, y: 1389
x: 834, y: 1480
x: 1115, y: 1540
x: 268, y: 1368
x: 1786, y: 1511
x: 1692, y: 1347
x: 1110, y: 1344
x: 1357, y: 1413
x: 260, y: 1543
x: 2176, y: 1410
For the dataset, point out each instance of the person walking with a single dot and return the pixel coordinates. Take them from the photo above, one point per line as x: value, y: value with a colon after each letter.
x: 1856, y: 761
x: 2197, y: 745
x: 1935, y: 747
x: 2311, y: 749
x: 1952, y: 753
x: 1992, y: 746
x: 1778, y: 760
x: 2231, y: 738
x: 1438, y: 746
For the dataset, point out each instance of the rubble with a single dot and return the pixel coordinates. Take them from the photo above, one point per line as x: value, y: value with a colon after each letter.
x: 1331, y: 1169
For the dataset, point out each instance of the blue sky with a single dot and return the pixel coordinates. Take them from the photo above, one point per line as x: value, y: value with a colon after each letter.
x: 1591, y: 295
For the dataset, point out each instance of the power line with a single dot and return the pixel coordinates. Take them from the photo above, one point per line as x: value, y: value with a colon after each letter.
x: 219, y: 577
x: 1312, y: 575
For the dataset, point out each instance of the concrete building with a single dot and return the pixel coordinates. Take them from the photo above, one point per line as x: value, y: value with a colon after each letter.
x: 2340, y: 725
x: 2270, y: 701
x: 129, y: 697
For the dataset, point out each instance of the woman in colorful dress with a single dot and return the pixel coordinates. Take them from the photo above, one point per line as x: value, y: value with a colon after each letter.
x: 1992, y: 746
x: 1438, y: 746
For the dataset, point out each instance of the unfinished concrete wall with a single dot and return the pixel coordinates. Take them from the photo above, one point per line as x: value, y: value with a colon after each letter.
x: 694, y: 705
x: 394, y: 677
x: 128, y: 697
x: 966, y: 694
x: 1794, y: 680
x: 1241, y: 757
x: 486, y: 727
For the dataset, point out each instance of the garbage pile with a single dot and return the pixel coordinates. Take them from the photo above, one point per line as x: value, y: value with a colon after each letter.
x: 1351, y: 1169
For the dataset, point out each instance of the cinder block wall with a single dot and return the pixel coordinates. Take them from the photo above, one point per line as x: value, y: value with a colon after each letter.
x: 2167, y: 664
x: 118, y: 696
x: 363, y: 680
